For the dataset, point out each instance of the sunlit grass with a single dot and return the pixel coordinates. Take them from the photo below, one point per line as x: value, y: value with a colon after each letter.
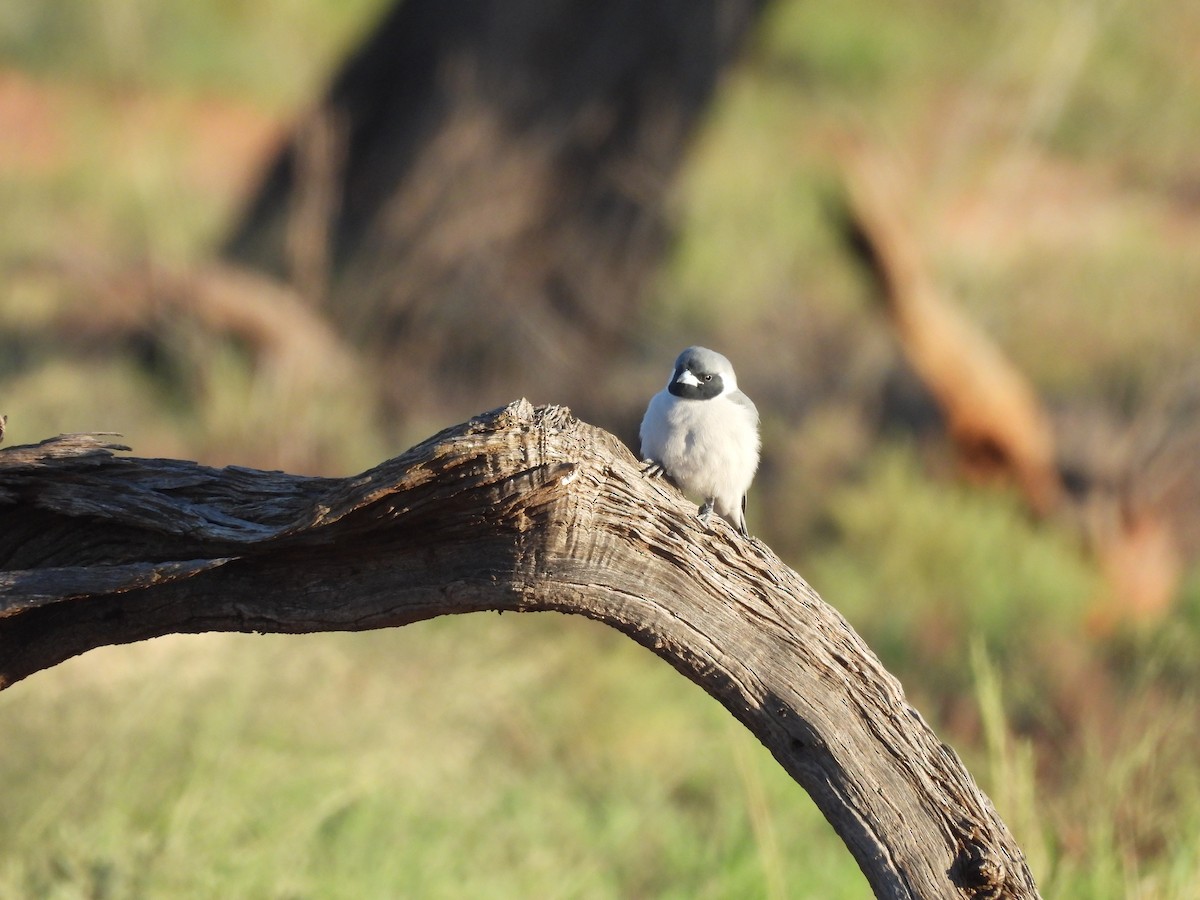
x: 217, y: 409
x: 275, y: 52
x: 493, y: 756
x: 945, y: 560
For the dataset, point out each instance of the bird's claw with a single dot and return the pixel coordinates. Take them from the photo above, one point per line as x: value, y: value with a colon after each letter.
x: 652, y: 468
x: 705, y: 513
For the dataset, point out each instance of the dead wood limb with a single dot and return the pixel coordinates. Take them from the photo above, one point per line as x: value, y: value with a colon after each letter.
x: 520, y: 509
x: 288, y: 340
x: 999, y: 425
x: 993, y: 414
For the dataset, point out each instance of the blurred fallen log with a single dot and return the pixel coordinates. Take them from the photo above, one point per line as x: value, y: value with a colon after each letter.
x: 996, y: 421
x: 993, y: 414
x: 286, y: 339
x: 1134, y: 486
x: 519, y: 509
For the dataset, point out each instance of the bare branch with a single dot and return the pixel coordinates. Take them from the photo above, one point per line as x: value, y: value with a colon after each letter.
x: 993, y: 414
x: 1134, y: 517
x: 520, y: 509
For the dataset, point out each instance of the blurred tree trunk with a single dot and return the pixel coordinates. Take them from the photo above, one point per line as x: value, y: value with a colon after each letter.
x: 478, y: 198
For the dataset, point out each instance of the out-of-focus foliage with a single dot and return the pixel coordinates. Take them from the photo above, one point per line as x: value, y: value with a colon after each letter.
x: 273, y: 52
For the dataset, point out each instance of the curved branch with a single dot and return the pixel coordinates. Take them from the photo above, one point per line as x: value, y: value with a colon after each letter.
x: 519, y: 509
x: 993, y: 414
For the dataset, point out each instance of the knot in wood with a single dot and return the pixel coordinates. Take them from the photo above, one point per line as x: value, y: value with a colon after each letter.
x: 976, y: 870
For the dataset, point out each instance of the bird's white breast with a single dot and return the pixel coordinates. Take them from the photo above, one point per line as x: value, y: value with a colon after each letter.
x: 709, y: 447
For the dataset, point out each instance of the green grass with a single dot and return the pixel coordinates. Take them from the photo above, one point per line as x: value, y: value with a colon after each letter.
x: 994, y: 573
x: 1084, y: 746
x: 275, y: 52
x: 491, y: 756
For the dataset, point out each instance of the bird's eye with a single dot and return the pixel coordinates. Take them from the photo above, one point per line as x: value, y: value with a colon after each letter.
x: 708, y: 378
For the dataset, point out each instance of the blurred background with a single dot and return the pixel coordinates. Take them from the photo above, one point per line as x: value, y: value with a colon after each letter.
x: 953, y: 251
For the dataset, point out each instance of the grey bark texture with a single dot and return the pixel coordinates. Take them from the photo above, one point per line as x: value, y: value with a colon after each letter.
x: 518, y: 509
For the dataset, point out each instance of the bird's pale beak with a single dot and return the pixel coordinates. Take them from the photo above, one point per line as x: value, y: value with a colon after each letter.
x: 686, y: 377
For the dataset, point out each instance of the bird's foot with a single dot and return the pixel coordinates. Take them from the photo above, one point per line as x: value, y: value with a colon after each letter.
x: 706, y: 512
x: 652, y: 468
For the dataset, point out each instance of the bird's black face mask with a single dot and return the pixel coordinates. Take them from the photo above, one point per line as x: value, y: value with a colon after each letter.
x: 689, y: 384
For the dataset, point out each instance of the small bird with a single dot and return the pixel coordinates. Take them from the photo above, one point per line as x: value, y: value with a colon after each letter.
x: 702, y: 432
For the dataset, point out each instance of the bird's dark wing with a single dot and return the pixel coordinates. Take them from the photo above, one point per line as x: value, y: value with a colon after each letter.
x: 746, y: 403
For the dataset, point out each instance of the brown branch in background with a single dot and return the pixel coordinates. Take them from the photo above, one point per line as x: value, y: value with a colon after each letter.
x: 287, y: 340
x: 520, y: 509
x: 998, y: 424
x: 1139, y: 501
x: 993, y: 415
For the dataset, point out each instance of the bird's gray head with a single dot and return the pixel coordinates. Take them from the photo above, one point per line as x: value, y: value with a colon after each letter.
x: 702, y: 374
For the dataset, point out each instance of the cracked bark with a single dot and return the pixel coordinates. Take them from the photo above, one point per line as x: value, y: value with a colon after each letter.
x: 519, y: 509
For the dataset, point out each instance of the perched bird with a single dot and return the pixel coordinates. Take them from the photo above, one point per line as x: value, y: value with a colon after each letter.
x: 702, y: 432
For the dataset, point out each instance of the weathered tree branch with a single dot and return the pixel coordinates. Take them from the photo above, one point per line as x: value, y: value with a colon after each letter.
x: 993, y: 414
x: 999, y: 425
x: 520, y: 509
